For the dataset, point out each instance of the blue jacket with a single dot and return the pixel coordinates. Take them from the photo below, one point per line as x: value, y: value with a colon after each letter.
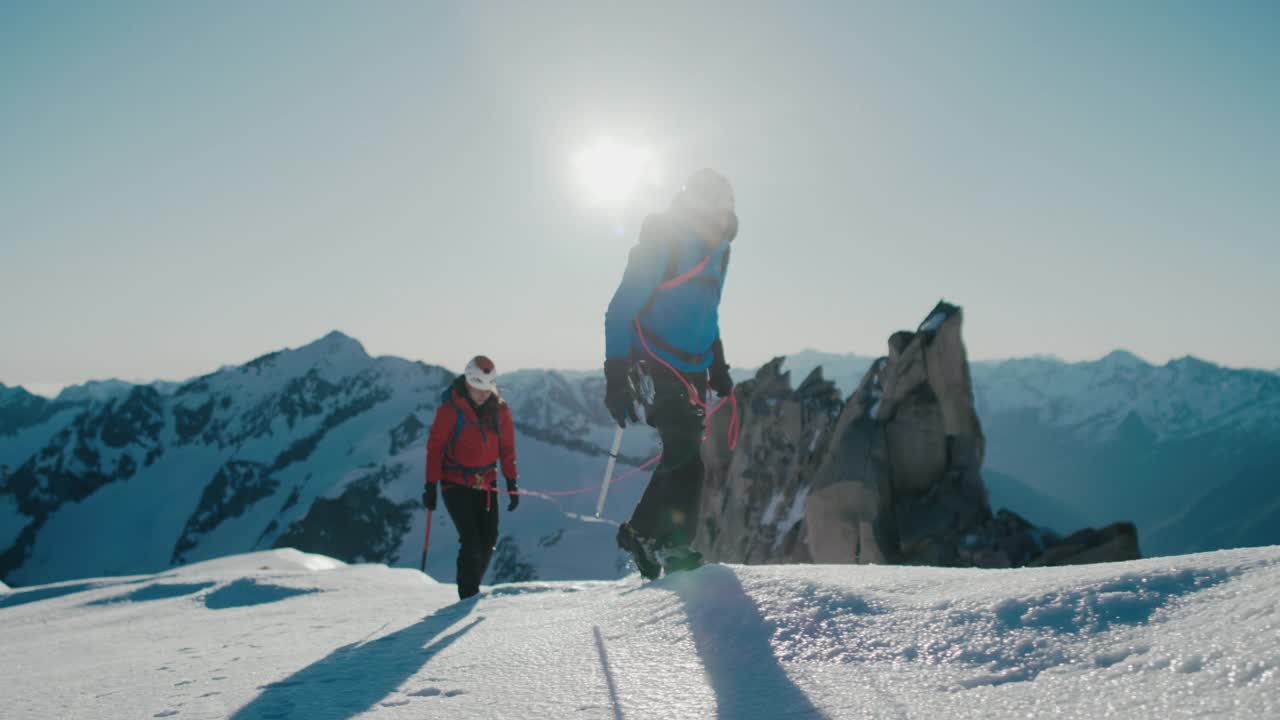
x: 680, y: 323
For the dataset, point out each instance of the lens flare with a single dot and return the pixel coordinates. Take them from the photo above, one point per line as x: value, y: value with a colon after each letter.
x: 611, y: 171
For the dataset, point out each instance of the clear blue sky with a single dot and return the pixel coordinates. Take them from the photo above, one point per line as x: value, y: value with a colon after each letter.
x: 184, y: 185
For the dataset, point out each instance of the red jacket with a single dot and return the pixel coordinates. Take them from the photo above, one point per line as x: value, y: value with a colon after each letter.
x: 457, y: 452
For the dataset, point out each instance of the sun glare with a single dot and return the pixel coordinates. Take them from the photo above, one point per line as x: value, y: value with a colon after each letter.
x: 610, y: 171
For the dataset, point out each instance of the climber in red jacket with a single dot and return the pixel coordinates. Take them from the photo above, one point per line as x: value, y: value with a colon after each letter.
x: 471, y: 436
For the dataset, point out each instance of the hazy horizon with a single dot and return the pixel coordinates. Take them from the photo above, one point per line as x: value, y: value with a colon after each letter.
x: 51, y: 390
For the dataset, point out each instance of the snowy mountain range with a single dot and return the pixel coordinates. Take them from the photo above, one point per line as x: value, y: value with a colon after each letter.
x: 282, y: 634
x: 320, y: 448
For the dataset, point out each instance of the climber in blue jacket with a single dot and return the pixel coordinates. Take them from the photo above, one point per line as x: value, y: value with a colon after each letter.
x: 662, y: 333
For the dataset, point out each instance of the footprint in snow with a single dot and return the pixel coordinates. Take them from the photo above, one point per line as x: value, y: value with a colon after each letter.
x: 427, y: 692
x: 184, y: 682
x: 166, y: 713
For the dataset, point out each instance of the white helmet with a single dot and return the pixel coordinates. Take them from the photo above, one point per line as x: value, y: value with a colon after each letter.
x: 481, y: 374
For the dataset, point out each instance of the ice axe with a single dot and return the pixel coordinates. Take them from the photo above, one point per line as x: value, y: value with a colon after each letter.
x: 640, y: 386
x: 426, y: 540
x: 608, y: 470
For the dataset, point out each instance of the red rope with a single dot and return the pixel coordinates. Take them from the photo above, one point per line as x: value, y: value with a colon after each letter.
x: 558, y: 493
x: 686, y: 277
x: 693, y: 394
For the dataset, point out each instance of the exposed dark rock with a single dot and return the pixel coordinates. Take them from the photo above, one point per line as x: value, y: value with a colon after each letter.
x: 20, y: 409
x: 366, y: 399
x: 191, y: 422
x: 1118, y: 541
x: 234, y: 489
x: 137, y: 420
x: 260, y: 362
x: 360, y: 525
x: 17, y: 553
x: 194, y: 387
x: 509, y: 564
x: 411, y: 431
x: 893, y: 475
x: 753, y: 496
x: 304, y: 397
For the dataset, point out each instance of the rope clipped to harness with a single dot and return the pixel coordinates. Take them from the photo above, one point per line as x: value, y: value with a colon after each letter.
x: 559, y: 493
x: 693, y: 394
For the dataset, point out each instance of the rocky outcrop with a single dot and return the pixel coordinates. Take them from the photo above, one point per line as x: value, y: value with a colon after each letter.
x: 754, y: 492
x: 892, y: 475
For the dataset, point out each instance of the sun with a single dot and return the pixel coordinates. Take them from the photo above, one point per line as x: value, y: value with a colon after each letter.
x: 610, y: 172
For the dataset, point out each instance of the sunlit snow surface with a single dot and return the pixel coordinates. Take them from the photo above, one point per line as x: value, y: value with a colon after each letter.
x: 286, y: 635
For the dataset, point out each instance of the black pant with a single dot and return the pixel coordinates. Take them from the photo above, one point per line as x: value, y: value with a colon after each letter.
x: 475, y: 514
x: 668, y: 511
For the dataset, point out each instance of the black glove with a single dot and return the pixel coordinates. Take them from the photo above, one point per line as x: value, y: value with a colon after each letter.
x: 429, y: 495
x: 515, y: 498
x: 617, y: 394
x: 718, y: 376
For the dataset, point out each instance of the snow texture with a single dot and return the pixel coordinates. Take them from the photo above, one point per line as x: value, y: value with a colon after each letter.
x: 280, y: 634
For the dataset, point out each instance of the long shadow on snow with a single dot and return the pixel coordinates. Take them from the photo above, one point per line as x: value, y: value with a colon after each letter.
x: 22, y: 596
x: 733, y: 641
x: 354, y: 678
x: 246, y: 592
x: 155, y: 591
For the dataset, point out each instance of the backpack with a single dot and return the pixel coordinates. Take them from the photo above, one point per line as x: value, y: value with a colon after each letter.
x: 460, y: 421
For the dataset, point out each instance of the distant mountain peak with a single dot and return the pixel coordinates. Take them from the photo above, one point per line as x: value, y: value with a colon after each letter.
x: 1192, y: 362
x: 335, y: 343
x: 1124, y: 358
x: 336, y: 351
x: 95, y: 391
x: 17, y: 394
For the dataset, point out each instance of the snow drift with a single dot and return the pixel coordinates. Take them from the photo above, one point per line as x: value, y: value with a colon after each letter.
x: 282, y: 634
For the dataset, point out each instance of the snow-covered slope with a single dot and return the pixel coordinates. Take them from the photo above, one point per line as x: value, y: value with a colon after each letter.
x: 319, y: 447
x: 283, y: 635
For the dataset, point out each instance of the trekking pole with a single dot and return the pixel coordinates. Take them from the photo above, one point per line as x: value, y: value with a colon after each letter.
x: 426, y: 540
x: 608, y: 471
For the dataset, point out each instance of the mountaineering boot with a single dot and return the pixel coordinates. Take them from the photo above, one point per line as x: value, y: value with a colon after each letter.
x: 642, y: 551
x: 678, y: 558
